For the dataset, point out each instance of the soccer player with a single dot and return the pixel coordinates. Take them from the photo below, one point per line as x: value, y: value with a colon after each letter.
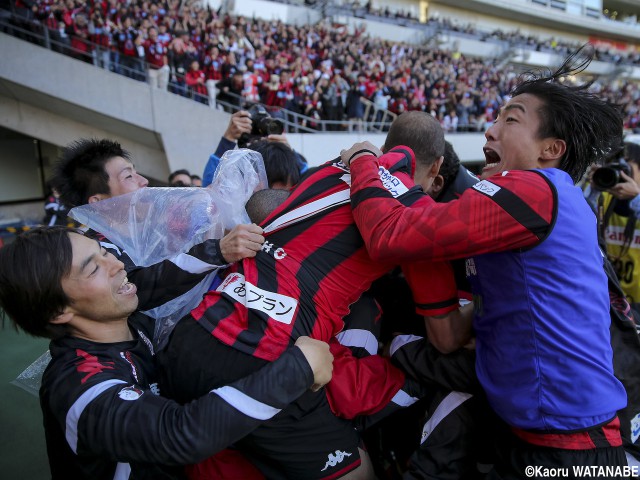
x: 103, y: 415
x: 541, y: 314
x: 94, y: 170
x: 293, y: 287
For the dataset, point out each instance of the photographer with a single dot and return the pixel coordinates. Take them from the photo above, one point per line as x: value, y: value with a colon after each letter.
x: 242, y: 123
x: 618, y: 209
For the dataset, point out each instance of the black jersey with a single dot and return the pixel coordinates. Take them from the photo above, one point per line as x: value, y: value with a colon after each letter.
x: 104, y: 417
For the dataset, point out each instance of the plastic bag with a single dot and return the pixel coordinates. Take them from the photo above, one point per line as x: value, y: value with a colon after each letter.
x: 156, y: 224
x: 31, y: 378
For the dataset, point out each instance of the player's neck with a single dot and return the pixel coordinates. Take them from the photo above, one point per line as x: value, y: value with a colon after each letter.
x: 102, y: 332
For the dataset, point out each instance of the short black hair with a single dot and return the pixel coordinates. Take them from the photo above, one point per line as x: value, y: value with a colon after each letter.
x: 591, y: 127
x: 280, y: 162
x: 450, y: 165
x: 31, y: 271
x: 179, y: 172
x: 420, y: 132
x: 80, y: 171
x: 263, y: 202
x: 195, y: 177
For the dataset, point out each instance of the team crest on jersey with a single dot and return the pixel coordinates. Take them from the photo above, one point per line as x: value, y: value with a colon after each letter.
x: 130, y: 393
x: 392, y: 183
x: 334, y: 460
x: 280, y: 308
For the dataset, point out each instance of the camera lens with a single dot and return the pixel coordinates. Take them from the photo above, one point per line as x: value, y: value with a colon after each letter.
x: 606, y: 177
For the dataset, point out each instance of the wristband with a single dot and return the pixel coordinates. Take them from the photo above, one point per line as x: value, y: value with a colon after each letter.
x: 362, y: 151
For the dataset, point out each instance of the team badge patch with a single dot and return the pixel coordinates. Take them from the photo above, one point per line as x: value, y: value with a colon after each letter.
x: 130, y: 393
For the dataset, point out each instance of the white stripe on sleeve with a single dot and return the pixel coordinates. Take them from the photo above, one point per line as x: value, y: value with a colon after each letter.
x: 244, y: 403
x: 74, y: 413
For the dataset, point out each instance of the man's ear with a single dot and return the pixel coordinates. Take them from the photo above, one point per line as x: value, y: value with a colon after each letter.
x: 435, y: 168
x: 64, y: 317
x: 436, y: 186
x: 555, y: 150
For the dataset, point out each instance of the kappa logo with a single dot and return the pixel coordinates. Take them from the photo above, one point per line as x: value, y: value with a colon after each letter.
x: 335, y: 459
x: 91, y: 365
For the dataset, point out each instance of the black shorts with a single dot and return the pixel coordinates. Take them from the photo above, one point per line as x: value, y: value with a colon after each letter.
x: 304, y: 441
x: 517, y: 459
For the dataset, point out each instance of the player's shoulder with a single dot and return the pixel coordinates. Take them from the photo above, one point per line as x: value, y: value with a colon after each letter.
x: 512, y: 180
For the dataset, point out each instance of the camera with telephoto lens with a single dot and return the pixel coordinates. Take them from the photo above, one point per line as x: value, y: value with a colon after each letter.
x: 606, y: 177
x: 262, y: 125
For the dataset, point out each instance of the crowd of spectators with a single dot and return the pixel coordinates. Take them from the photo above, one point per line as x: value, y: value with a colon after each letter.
x: 320, y: 71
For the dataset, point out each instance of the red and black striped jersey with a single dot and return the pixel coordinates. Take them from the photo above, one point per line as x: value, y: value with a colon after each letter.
x: 312, y: 267
x: 488, y: 217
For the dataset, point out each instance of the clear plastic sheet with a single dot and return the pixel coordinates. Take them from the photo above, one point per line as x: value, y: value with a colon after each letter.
x: 156, y: 224
x: 31, y: 378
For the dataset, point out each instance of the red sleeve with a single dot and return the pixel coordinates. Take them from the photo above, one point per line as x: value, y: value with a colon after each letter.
x: 360, y: 386
x: 488, y: 217
x: 433, y: 287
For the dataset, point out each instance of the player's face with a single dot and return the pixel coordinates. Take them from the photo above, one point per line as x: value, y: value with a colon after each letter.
x: 123, y: 177
x: 97, y: 283
x: 512, y: 141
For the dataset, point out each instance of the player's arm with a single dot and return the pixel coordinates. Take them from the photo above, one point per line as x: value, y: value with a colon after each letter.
x: 435, y: 293
x: 127, y: 423
x: 420, y: 360
x: 167, y: 280
x: 450, y: 331
x: 488, y: 217
x: 361, y: 386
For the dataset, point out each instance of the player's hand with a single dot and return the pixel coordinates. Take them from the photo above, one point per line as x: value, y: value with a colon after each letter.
x: 368, y: 148
x: 320, y: 360
x: 625, y: 190
x: 243, y: 241
x: 239, y: 123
